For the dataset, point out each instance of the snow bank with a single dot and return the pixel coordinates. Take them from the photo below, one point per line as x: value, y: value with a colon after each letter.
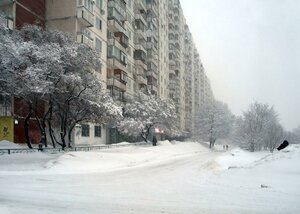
x: 4, y: 144
x: 122, y: 143
x: 122, y: 158
x: 238, y: 158
x: 173, y: 177
x: 164, y: 143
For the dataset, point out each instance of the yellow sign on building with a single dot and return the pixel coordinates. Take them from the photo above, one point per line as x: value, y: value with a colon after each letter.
x: 7, y: 129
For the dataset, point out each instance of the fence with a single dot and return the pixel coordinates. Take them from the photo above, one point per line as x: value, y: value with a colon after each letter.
x: 73, y: 149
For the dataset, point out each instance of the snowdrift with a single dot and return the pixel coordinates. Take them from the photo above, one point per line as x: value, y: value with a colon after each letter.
x: 238, y: 158
x: 4, y: 144
x: 122, y: 158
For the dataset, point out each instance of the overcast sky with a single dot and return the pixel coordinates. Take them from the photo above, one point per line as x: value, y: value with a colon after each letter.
x: 251, y: 52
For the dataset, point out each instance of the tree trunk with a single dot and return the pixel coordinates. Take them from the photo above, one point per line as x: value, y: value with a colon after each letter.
x: 50, y: 125
x: 63, y: 131
x: 251, y: 146
x: 70, y: 136
x: 44, y: 133
x: 26, y: 128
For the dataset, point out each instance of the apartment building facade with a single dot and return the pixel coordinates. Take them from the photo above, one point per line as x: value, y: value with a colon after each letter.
x: 13, y: 110
x: 152, y: 72
x: 189, y: 86
x: 176, y: 23
x: 163, y: 52
x: 189, y: 71
x: 143, y: 45
x: 86, y: 21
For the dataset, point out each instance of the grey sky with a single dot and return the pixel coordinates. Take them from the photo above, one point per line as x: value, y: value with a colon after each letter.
x: 251, y: 52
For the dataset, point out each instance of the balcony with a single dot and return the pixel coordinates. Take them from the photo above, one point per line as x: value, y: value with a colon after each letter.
x: 152, y: 7
x: 152, y: 46
x: 6, y: 2
x: 172, y: 63
x: 153, y: 88
x: 140, y: 55
x: 123, y: 39
x: 140, y: 17
x: 116, y: 43
x: 113, y: 63
x: 140, y: 47
x: 153, y: 34
x: 142, y: 80
x: 115, y: 26
x: 119, y: 6
x: 153, y: 21
x: 85, y: 17
x: 84, y: 39
x: 116, y: 82
x: 152, y: 73
x: 153, y: 62
x: 140, y: 63
x: 141, y: 5
x: 9, y: 23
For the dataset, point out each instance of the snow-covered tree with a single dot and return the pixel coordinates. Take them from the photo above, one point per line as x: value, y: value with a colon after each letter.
x: 260, y: 128
x: 297, y: 134
x: 274, y: 136
x: 213, y: 121
x: 48, y: 66
x: 293, y: 136
x: 144, y: 112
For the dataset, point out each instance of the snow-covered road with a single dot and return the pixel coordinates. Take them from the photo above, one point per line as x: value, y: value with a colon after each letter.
x: 170, y: 178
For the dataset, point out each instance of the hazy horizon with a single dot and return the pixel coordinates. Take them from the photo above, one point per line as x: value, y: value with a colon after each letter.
x: 249, y: 49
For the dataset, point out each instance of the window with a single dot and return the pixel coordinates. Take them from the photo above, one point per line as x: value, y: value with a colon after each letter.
x: 98, y: 23
x: 97, y: 131
x: 85, y: 130
x: 5, y: 106
x: 98, y: 45
x: 123, y: 58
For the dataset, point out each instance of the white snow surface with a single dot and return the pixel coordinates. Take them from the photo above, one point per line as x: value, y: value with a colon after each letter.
x: 173, y: 177
x: 4, y: 144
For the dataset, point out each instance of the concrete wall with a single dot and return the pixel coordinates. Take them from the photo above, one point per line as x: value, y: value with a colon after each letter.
x: 78, y: 139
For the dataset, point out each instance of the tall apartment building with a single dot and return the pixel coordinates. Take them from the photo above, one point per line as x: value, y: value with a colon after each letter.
x: 152, y: 47
x: 176, y: 23
x: 118, y: 42
x: 139, y: 24
x: 163, y: 46
x: 143, y: 45
x: 189, y: 86
x: 189, y: 70
x: 86, y: 21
